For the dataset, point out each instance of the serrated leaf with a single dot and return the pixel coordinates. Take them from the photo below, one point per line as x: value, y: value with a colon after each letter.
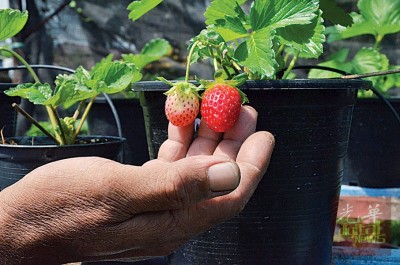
x: 384, y: 15
x: 257, y: 54
x: 369, y: 60
x: 71, y: 89
x: 232, y: 23
x: 37, y: 93
x: 154, y: 50
x: 376, y: 18
x: 359, y: 27
x: 12, y: 21
x: 107, y: 59
x: 281, y: 13
x: 334, y: 13
x: 112, y: 77
x: 307, y: 39
x: 139, y: 8
x: 218, y: 9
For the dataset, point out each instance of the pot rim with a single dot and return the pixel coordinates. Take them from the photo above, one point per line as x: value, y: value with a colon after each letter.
x: 113, y: 139
x: 281, y: 84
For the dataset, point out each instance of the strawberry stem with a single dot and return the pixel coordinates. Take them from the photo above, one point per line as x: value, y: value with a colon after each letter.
x: 189, y: 59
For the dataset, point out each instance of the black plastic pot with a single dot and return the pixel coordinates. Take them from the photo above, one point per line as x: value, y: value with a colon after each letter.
x: 31, y: 152
x: 127, y: 122
x: 8, y: 115
x: 291, y: 217
x: 373, y: 159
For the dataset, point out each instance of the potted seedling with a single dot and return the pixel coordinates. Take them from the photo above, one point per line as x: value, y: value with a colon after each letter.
x: 375, y: 164
x: 291, y: 217
x: 21, y: 155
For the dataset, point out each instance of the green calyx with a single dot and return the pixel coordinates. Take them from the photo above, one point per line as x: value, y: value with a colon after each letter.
x: 235, y: 83
x: 181, y: 87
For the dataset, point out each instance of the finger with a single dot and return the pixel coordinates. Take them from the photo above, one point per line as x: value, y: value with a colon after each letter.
x: 177, y: 144
x: 205, y: 142
x: 253, y: 160
x: 159, y: 185
x: 233, y: 139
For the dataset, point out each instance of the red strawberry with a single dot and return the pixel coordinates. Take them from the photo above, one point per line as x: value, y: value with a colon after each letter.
x: 182, y: 104
x: 220, y: 106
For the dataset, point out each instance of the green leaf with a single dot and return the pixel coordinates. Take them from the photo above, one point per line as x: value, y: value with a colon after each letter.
x: 107, y: 59
x: 112, y: 77
x: 154, y: 50
x: 139, y: 8
x: 232, y: 23
x: 12, y: 21
x: 358, y: 28
x: 218, y: 9
x: 281, y: 13
x: 376, y: 17
x: 71, y: 89
x: 335, y: 14
x: 36, y: 93
x: 384, y: 15
x: 336, y: 61
x: 307, y: 39
x: 257, y: 54
x: 369, y: 60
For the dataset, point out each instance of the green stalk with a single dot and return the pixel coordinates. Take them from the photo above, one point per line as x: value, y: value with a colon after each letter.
x: 37, y: 124
x: 378, y: 40
x: 25, y: 63
x: 281, y: 49
x: 51, y: 112
x: 84, y: 116
x: 189, y: 58
x: 291, y: 65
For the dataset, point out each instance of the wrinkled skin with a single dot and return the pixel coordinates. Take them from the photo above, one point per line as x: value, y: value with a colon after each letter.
x: 96, y: 209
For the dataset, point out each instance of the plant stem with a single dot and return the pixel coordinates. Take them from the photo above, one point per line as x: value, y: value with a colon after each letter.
x: 281, y: 49
x: 31, y: 119
x: 50, y: 111
x: 84, y: 116
x: 78, y: 110
x: 22, y: 60
x: 291, y: 65
x: 357, y: 76
x: 378, y: 40
x: 189, y: 58
x: 215, y: 63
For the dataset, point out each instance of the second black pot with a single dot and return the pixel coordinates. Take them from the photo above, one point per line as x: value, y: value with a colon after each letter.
x: 374, y: 147
x: 31, y: 152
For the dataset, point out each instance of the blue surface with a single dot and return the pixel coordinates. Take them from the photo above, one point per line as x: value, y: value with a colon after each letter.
x: 373, y: 192
x: 364, y: 256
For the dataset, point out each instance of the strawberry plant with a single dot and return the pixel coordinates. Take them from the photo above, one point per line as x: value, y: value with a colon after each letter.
x: 254, y: 41
x: 105, y: 77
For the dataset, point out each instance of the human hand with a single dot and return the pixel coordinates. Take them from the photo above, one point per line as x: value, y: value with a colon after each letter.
x: 96, y: 209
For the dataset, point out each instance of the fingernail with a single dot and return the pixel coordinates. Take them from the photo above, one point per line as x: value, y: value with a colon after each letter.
x: 224, y: 176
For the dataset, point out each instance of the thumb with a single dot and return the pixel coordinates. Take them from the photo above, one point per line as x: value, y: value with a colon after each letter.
x: 173, y: 185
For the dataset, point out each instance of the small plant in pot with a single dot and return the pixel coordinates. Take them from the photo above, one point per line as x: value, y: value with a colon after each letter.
x: 253, y: 47
x: 113, y: 115
x: 374, y: 164
x: 21, y: 155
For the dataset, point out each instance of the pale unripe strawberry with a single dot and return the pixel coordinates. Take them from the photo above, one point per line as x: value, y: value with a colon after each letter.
x: 182, y: 104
